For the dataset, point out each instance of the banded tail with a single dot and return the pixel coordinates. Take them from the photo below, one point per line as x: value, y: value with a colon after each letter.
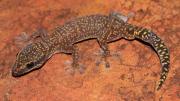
x: 160, y: 48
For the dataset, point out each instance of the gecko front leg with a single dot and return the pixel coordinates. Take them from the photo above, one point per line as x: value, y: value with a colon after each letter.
x: 106, y: 52
x: 40, y: 33
x: 108, y: 35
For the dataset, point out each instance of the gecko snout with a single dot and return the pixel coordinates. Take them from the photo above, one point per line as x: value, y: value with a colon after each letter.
x: 15, y: 72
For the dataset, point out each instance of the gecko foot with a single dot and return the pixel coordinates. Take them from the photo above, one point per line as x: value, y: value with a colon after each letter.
x: 107, y: 64
x: 21, y: 40
x: 81, y: 69
x: 24, y: 38
x: 103, y: 59
x: 68, y: 68
x: 78, y: 67
x: 72, y: 68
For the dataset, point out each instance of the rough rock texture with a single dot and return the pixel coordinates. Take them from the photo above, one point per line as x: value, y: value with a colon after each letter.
x: 135, y: 67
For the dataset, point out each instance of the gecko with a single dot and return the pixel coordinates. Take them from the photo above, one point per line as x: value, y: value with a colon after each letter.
x: 104, y: 28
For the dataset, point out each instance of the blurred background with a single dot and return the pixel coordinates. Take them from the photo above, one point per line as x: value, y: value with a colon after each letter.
x: 135, y: 67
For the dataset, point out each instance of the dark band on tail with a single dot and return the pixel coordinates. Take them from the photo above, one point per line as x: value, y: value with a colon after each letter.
x: 159, y: 46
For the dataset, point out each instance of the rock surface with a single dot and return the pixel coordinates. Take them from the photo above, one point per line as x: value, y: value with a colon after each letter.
x: 135, y: 67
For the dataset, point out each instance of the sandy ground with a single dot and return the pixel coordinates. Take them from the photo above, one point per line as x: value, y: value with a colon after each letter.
x: 135, y: 67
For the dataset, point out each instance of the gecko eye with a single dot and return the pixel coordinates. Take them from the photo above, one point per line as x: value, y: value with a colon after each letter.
x: 30, y: 65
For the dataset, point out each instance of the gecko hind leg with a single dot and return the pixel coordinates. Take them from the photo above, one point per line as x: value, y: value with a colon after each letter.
x: 104, y: 45
x: 106, y: 52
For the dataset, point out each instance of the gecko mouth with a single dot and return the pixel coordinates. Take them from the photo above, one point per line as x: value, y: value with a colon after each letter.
x: 18, y: 73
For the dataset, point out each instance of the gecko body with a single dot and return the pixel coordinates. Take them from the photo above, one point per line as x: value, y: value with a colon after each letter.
x: 104, y: 28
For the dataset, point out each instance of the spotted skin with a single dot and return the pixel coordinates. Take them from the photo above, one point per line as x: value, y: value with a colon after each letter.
x: 105, y: 29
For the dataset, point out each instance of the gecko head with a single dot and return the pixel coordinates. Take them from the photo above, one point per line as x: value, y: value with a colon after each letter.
x: 28, y: 59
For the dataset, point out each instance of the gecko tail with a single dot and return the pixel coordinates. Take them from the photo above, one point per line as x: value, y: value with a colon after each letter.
x: 163, y: 53
x: 160, y: 48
